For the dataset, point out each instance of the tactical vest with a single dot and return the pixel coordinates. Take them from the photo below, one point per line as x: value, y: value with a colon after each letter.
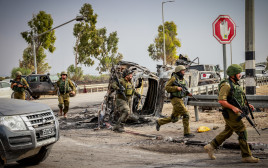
x: 179, y: 94
x: 64, y: 86
x: 19, y: 89
x: 128, y: 89
x: 235, y: 91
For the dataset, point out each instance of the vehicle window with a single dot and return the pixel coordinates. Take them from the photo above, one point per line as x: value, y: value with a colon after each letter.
x: 33, y: 79
x: 197, y: 67
x: 43, y: 79
x: 5, y: 85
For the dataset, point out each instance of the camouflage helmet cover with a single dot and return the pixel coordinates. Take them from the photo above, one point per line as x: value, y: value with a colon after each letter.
x: 126, y: 72
x: 179, y: 68
x: 63, y: 73
x: 18, y: 73
x: 234, y: 69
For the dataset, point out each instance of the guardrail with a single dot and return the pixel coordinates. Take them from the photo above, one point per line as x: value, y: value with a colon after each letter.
x: 258, y: 101
x: 93, y: 88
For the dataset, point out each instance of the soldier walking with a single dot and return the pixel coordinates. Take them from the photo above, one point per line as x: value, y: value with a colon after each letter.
x: 123, y: 99
x: 179, y: 108
x: 229, y: 89
x: 20, y: 87
x: 64, y: 85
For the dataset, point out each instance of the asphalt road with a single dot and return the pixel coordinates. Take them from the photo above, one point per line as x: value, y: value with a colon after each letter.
x: 87, y: 148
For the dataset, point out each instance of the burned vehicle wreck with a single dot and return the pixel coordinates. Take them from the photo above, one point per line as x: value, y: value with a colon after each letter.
x: 151, y: 87
x: 146, y: 84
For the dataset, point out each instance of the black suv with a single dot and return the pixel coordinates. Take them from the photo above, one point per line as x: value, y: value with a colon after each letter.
x: 28, y: 131
x: 40, y: 84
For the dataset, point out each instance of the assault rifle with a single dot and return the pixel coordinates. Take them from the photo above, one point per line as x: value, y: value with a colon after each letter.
x: 184, y: 89
x: 121, y: 88
x: 19, y: 83
x: 246, y: 110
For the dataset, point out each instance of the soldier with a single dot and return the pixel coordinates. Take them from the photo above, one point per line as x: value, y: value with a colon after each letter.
x: 64, y: 84
x: 230, y: 89
x: 123, y: 103
x: 20, y: 87
x: 179, y: 108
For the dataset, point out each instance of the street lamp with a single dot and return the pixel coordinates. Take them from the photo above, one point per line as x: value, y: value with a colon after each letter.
x: 78, y: 18
x: 164, y: 44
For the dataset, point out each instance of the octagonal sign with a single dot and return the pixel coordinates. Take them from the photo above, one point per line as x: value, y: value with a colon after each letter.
x: 224, y: 29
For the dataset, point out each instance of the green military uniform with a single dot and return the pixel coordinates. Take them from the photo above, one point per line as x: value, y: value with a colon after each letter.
x: 179, y: 108
x: 64, y: 89
x: 19, y: 92
x: 123, y: 105
x: 231, y: 125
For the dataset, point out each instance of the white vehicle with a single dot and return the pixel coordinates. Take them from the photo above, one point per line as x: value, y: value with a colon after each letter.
x: 5, y: 90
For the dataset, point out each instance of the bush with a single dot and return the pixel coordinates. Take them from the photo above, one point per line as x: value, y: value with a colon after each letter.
x: 24, y: 71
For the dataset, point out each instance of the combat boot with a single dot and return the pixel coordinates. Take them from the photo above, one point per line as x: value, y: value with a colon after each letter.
x: 250, y: 159
x: 210, y: 150
x: 157, y: 125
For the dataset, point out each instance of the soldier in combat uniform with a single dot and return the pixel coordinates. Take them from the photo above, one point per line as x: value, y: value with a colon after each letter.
x: 122, y: 103
x: 19, y: 89
x: 64, y: 84
x: 228, y: 90
x: 179, y: 108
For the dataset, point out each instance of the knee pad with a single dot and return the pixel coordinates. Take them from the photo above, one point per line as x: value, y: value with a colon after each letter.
x: 174, y: 118
x: 60, y: 106
x: 186, y: 116
x: 242, y: 135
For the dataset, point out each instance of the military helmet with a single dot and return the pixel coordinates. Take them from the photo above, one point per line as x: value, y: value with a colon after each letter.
x: 18, y: 73
x: 126, y: 72
x: 179, y: 68
x: 234, y: 69
x: 63, y: 73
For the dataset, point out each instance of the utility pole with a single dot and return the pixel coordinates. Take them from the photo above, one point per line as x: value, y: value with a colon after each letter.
x: 250, y: 47
x: 164, y: 41
x: 78, y: 18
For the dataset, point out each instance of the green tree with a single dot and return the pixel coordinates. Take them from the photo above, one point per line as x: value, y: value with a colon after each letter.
x: 75, y: 73
x: 86, y: 34
x: 39, y: 24
x: 28, y: 60
x: 93, y: 44
x: 108, y: 51
x: 24, y: 71
x: 156, y: 50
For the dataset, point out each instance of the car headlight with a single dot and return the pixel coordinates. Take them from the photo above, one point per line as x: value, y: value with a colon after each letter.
x: 14, y: 123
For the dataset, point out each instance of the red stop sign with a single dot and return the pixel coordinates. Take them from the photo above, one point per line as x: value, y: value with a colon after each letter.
x: 224, y: 29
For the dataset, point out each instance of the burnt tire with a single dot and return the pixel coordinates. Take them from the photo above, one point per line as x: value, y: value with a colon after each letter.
x: 36, y: 159
x: 36, y: 97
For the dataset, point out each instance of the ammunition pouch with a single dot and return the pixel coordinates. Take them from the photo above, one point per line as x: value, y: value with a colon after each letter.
x: 225, y: 113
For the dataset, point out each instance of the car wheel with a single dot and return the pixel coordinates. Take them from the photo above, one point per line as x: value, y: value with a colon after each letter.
x: 36, y: 159
x: 12, y: 95
x: 36, y: 97
x: 27, y: 95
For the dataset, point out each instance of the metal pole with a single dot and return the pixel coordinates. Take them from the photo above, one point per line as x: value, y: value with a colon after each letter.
x: 250, y: 47
x: 164, y: 43
x: 34, y: 54
x: 224, y: 60
x: 78, y: 18
x: 231, y: 53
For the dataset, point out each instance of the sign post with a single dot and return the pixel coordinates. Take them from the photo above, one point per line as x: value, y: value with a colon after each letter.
x: 224, y: 30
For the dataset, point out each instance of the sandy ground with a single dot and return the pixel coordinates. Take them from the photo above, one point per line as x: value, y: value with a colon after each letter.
x: 81, y: 146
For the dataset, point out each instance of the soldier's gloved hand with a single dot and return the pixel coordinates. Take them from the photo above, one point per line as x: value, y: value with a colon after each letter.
x: 20, y: 85
x: 179, y: 88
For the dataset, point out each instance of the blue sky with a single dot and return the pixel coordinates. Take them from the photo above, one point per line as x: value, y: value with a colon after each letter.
x: 136, y: 22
